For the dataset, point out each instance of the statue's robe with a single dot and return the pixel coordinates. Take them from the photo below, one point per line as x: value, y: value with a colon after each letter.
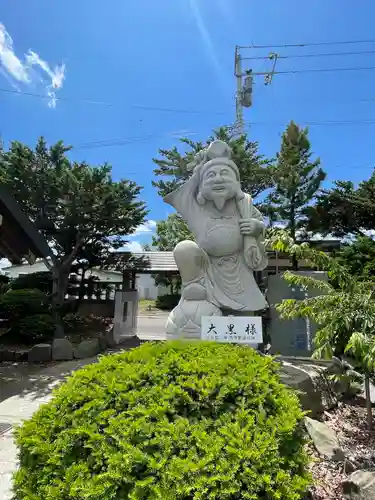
x: 230, y: 258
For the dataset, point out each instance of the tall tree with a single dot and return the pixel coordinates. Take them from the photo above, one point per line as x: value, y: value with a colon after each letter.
x: 169, y: 232
x: 83, y: 213
x: 255, y: 170
x: 297, y: 180
x: 359, y: 257
x: 344, y: 209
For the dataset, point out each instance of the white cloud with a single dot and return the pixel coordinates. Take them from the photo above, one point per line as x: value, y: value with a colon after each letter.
x: 147, y: 227
x: 370, y: 233
x: 33, y: 71
x: 4, y: 263
x: 10, y: 62
x: 132, y: 246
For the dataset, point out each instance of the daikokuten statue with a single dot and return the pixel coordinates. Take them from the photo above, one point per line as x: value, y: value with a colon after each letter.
x: 217, y: 270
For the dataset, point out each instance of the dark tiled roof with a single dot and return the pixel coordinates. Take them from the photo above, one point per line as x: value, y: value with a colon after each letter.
x: 19, y: 238
x: 163, y: 261
x: 157, y: 261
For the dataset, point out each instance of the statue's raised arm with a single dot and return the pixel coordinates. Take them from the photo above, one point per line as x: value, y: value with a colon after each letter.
x: 229, y: 236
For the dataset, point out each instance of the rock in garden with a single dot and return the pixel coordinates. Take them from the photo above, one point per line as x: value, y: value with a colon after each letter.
x: 325, y: 440
x: 40, y: 353
x: 13, y: 355
x: 87, y: 349
x: 360, y: 485
x: 350, y: 466
x: 315, y: 389
x: 62, y: 350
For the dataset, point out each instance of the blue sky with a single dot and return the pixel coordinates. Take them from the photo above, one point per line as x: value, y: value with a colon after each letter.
x: 138, y: 59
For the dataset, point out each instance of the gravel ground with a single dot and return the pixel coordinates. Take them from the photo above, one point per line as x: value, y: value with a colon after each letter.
x: 350, y: 424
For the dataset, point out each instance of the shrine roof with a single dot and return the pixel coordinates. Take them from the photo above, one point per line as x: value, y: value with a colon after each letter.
x: 158, y: 261
x: 143, y: 262
x: 163, y: 261
x: 19, y: 239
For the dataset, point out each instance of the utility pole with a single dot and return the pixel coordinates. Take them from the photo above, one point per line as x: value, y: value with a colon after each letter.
x: 244, y: 85
x: 239, y: 123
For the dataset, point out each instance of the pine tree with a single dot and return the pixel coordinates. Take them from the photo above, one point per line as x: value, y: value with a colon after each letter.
x: 297, y: 180
x: 82, y: 212
x: 344, y: 209
x: 255, y: 170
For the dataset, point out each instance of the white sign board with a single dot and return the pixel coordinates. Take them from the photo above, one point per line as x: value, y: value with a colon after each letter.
x: 232, y: 329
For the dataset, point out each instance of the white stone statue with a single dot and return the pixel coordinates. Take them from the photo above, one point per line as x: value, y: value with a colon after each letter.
x: 217, y: 270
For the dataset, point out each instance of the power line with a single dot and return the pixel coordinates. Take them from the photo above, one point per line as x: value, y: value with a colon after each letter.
x: 301, y: 56
x: 145, y: 138
x: 132, y: 140
x: 317, y: 70
x: 350, y: 167
x: 42, y: 96
x: 172, y: 110
x: 312, y: 44
x: 322, y: 122
x: 103, y: 103
x: 117, y: 142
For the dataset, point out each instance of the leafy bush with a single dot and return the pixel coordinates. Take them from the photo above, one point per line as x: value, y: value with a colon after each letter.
x: 168, y: 421
x: 167, y: 302
x: 36, y: 328
x: 4, y: 283
x: 344, y: 312
x: 37, y: 281
x: 20, y: 303
x: 85, y: 325
x: 28, y: 312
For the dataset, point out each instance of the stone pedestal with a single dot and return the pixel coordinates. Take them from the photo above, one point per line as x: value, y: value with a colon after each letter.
x: 126, y: 313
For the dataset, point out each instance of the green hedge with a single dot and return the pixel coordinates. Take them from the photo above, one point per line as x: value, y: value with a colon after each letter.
x: 28, y: 312
x: 168, y: 421
x: 167, y: 302
x: 37, y: 281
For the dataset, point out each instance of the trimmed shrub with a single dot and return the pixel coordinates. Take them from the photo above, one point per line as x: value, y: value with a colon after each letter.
x: 4, y: 283
x: 168, y: 421
x: 37, y: 281
x: 35, y: 328
x: 84, y: 326
x: 28, y: 312
x: 20, y: 303
x: 167, y: 302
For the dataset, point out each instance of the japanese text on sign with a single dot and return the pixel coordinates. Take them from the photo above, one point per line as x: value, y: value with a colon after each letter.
x: 238, y: 329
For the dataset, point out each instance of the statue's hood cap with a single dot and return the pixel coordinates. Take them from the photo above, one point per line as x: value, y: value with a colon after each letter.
x: 217, y: 153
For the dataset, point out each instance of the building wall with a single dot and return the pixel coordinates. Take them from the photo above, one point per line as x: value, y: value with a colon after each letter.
x: 144, y: 282
x: 15, y: 271
x: 147, y: 289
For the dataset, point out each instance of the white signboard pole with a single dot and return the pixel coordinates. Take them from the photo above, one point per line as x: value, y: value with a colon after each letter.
x: 232, y: 329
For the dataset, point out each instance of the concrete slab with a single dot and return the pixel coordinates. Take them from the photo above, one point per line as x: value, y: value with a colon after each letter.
x: 8, y: 464
x: 151, y: 328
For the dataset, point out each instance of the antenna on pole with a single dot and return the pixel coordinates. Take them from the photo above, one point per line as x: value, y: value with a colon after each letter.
x: 268, y: 78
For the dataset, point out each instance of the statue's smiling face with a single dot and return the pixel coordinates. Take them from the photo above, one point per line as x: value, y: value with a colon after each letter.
x: 219, y: 182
